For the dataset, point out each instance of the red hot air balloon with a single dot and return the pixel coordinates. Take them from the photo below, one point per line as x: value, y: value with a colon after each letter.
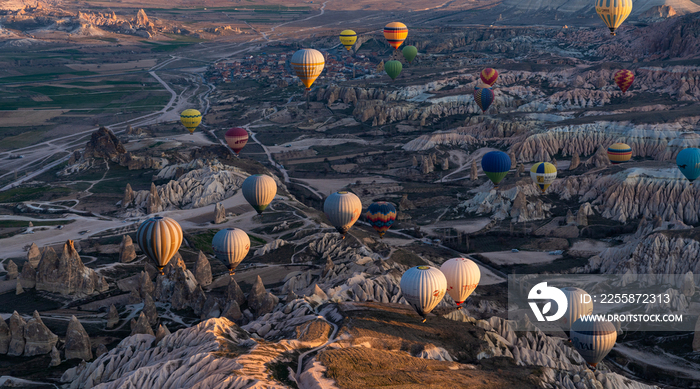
x: 624, y: 79
x: 236, y: 138
x: 489, y: 76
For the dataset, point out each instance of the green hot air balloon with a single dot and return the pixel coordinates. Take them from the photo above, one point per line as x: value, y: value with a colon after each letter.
x: 409, y: 52
x: 393, y: 69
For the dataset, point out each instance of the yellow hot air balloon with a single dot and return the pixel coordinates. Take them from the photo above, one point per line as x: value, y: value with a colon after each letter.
x: 613, y: 12
x: 231, y: 246
x: 259, y: 190
x: 348, y: 38
x: 395, y: 33
x: 191, y: 118
x: 159, y: 238
x: 308, y: 65
x: 543, y: 174
x: 342, y: 209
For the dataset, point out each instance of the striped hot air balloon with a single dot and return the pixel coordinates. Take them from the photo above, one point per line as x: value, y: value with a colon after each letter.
x: 483, y: 97
x: 348, y: 38
x: 342, y: 209
x: 624, y: 79
x: 381, y: 216
x: 236, y: 138
x: 393, y: 69
x: 613, y: 12
x: 409, y: 53
x: 159, y: 238
x: 308, y: 65
x: 688, y: 161
x: 191, y: 118
x: 231, y: 246
x: 593, y: 339
x: 462, y: 277
x: 619, y: 152
x: 496, y: 165
x: 488, y: 76
x: 259, y: 190
x: 423, y: 287
x: 580, y: 304
x: 543, y: 174
x: 395, y: 33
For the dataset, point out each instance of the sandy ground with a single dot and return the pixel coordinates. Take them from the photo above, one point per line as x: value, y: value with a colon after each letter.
x: 522, y: 257
x: 28, y: 117
x: 109, y: 67
x: 309, y: 142
x: 488, y: 277
x: 459, y: 225
x: 589, y: 245
x: 328, y: 186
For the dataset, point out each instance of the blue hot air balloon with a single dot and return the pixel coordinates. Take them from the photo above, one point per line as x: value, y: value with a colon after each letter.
x: 484, y: 97
x: 381, y: 216
x: 688, y: 161
x: 495, y: 165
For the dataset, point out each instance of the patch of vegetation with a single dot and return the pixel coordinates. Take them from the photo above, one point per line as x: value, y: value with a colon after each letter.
x: 280, y: 368
x: 32, y: 193
x: 155, y: 145
x: 406, y: 258
x: 43, y: 76
x: 24, y: 223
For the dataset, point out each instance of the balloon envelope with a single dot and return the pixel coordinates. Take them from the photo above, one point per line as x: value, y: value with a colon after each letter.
x: 613, y: 12
x: 342, y: 209
x: 423, y: 287
x: 381, y: 216
x: 496, y: 165
x: 580, y: 304
x: 688, y: 161
x: 348, y: 38
x: 236, y: 138
x: 231, y: 246
x: 159, y: 238
x: 308, y: 65
x: 190, y: 118
x: 395, y: 33
x: 543, y: 174
x: 393, y: 69
x: 624, y: 79
x: 462, y: 277
x: 619, y: 152
x: 489, y: 76
x: 259, y: 190
x: 483, y: 97
x: 593, y: 339
x: 409, y: 52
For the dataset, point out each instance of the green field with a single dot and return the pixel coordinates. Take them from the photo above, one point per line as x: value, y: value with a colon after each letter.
x: 35, y: 193
x: 117, y: 98
x: 24, y: 223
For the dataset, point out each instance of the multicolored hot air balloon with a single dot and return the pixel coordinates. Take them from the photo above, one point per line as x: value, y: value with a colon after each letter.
x: 593, y: 339
x: 395, y: 33
x: 624, y: 79
x: 543, y: 174
x: 259, y: 190
x: 483, y: 97
x: 409, y: 52
x: 462, y: 277
x: 236, y: 138
x: 496, y: 165
x: 342, y: 210
x: 619, y: 152
x: 308, y: 65
x: 489, y: 76
x: 423, y: 287
x: 348, y: 38
x: 613, y: 12
x: 688, y: 161
x: 393, y: 69
x: 191, y: 118
x: 159, y: 238
x: 381, y: 216
x: 231, y: 246
x: 580, y: 304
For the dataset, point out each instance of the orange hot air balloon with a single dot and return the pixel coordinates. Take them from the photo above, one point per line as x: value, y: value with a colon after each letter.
x: 395, y: 33
x: 489, y: 76
x: 624, y: 79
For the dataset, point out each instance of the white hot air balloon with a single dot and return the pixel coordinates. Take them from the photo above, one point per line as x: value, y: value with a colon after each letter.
x: 462, y: 276
x: 580, y: 304
x: 342, y: 210
x: 423, y: 287
x: 231, y: 246
x: 593, y: 339
x: 259, y: 190
x: 159, y: 238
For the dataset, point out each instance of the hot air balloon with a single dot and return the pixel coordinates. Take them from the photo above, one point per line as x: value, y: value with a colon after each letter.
x: 613, y: 12
x: 624, y: 79
x: 489, y: 76
x: 496, y: 165
x: 619, y: 152
x: 231, y: 246
x: 159, y: 238
x: 342, y: 209
x: 423, y: 287
x: 688, y: 161
x: 593, y: 339
x: 543, y: 174
x: 580, y: 304
x: 393, y: 69
x: 190, y: 118
x: 236, y: 138
x: 483, y: 97
x: 462, y: 277
x: 381, y: 216
x: 348, y: 38
x: 259, y: 190
x: 409, y: 52
x: 395, y: 33
x: 308, y: 65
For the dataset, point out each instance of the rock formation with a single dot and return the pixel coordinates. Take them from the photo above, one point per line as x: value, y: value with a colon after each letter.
x: 12, y: 270
x: 161, y: 333
x: 33, y: 255
x: 18, y: 288
x: 149, y: 310
x: 39, y: 340
x: 67, y: 274
x: 202, y: 270
x: 128, y: 196
x: 127, y: 252
x: 100, y: 349
x: 28, y: 277
x: 4, y: 337
x: 78, y: 344
x: 55, y: 357
x: 17, y: 342
x: 154, y: 203
x: 219, y: 214
x: 112, y: 317
x: 261, y: 301
x: 103, y: 144
x: 142, y: 326
x: 234, y: 292
x: 575, y: 161
x: 474, y: 171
